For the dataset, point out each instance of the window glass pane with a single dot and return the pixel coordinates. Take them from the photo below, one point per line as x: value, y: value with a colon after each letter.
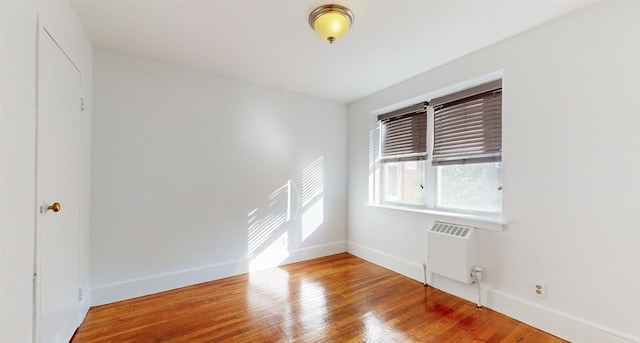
x: 475, y: 187
x: 393, y: 179
x: 403, y: 182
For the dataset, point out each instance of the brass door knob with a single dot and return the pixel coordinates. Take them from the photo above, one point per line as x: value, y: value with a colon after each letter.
x: 55, y: 207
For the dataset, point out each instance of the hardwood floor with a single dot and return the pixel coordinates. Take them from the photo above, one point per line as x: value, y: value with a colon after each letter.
x: 339, y: 298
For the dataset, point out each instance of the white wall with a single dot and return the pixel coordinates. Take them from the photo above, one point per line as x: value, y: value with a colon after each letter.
x: 19, y: 25
x: 186, y: 173
x: 571, y: 126
x: 17, y: 167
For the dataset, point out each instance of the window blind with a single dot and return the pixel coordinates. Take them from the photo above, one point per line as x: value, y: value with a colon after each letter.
x: 404, y: 134
x: 468, y: 126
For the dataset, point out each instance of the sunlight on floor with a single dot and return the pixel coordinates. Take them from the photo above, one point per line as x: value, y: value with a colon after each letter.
x: 313, y: 303
x: 270, y: 293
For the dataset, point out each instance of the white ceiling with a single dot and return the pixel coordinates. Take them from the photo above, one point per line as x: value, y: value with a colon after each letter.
x: 269, y: 42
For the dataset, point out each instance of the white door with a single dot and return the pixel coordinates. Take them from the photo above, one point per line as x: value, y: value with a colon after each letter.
x: 57, y: 252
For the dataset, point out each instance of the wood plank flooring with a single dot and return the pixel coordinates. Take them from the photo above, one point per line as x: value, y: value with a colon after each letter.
x: 339, y: 298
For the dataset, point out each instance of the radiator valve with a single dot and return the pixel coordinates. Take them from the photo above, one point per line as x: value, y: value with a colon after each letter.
x: 476, y: 273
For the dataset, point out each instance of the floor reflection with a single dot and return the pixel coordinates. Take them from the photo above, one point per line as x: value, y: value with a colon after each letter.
x: 337, y: 298
x: 292, y: 305
x: 300, y: 307
x: 313, y: 316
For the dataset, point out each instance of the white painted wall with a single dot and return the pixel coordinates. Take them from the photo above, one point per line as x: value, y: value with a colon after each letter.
x: 17, y: 167
x: 571, y: 117
x: 18, y: 31
x: 184, y: 167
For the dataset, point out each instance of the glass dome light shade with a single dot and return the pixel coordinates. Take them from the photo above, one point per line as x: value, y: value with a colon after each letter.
x: 331, y: 26
x: 331, y: 22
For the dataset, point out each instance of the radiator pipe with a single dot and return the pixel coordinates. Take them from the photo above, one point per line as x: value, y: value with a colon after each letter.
x: 424, y: 267
x: 476, y: 274
x: 479, y: 304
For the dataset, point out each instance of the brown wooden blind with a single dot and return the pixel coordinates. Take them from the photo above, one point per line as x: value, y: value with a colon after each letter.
x: 404, y: 134
x: 468, y: 126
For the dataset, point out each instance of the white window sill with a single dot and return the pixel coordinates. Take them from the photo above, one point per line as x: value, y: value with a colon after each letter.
x: 486, y: 222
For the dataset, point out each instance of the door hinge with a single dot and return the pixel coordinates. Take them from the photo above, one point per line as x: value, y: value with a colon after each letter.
x: 79, y: 294
x: 81, y: 104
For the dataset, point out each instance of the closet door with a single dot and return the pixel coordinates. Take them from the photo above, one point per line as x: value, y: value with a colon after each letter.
x: 57, y: 172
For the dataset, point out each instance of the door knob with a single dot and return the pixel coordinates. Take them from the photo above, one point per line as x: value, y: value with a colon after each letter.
x: 55, y: 207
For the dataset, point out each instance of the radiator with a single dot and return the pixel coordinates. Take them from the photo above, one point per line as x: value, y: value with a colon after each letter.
x: 451, y: 251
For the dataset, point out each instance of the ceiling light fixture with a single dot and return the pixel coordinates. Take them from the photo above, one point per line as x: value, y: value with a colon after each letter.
x: 331, y: 21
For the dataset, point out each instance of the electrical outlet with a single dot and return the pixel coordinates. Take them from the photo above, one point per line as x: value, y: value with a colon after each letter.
x: 539, y: 289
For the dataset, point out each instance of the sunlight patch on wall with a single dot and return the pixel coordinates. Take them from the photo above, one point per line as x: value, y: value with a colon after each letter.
x: 267, y: 238
x: 313, y: 181
x: 373, y: 170
x: 312, y: 218
x: 372, y: 149
x: 271, y: 255
x: 312, y: 197
x: 264, y: 222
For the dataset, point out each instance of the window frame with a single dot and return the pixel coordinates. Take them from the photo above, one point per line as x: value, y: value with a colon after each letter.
x: 399, y: 185
x: 377, y: 196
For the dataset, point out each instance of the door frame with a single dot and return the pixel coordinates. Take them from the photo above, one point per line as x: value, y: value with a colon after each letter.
x: 41, y: 209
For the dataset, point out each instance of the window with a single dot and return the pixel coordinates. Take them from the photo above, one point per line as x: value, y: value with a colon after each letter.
x: 403, y: 154
x: 444, y: 154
